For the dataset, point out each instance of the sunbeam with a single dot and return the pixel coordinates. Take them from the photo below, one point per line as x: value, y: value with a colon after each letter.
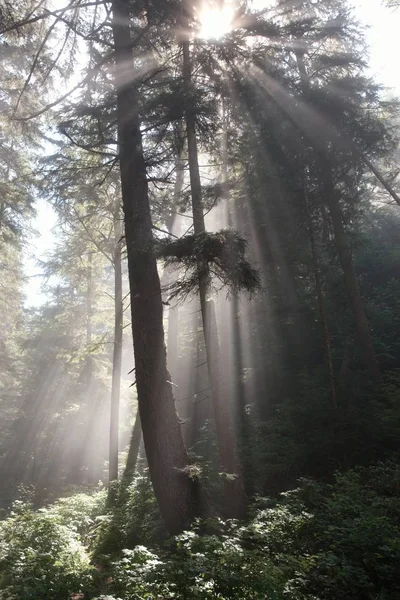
x: 213, y: 366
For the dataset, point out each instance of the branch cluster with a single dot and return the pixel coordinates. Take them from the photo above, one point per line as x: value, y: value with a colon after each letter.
x: 220, y: 255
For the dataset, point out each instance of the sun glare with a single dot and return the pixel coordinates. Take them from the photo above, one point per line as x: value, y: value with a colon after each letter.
x: 216, y: 21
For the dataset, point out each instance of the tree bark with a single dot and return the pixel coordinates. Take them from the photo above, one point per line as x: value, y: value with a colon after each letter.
x: 235, y: 498
x: 165, y: 450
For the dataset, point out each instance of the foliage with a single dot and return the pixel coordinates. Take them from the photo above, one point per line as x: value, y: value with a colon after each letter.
x: 198, y: 567
x: 317, y: 542
x: 325, y: 542
x: 40, y: 557
x: 135, y: 520
x: 80, y: 513
x: 354, y: 536
x: 298, y: 89
x: 364, y: 428
x: 222, y: 254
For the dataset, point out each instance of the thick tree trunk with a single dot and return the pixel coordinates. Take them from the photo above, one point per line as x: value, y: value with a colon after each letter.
x: 165, y: 450
x: 116, y: 368
x: 235, y: 498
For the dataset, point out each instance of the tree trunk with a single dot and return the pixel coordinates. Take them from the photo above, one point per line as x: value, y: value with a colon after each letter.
x: 382, y: 179
x: 168, y: 275
x: 235, y: 498
x: 350, y: 279
x: 87, y: 372
x: 133, y: 453
x: 321, y: 307
x: 89, y: 299
x: 116, y: 368
x: 165, y: 450
x: 343, y: 250
x: 242, y: 418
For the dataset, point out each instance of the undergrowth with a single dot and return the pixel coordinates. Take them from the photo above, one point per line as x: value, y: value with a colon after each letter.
x: 317, y: 542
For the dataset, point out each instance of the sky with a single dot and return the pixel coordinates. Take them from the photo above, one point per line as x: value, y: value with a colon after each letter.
x: 39, y: 243
x: 382, y: 35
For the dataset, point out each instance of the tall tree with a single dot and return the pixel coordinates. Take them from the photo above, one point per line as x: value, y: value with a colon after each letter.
x: 331, y: 197
x: 165, y: 450
x: 117, y: 355
x: 235, y: 499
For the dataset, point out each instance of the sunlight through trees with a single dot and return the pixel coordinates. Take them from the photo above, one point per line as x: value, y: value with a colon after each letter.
x: 216, y: 357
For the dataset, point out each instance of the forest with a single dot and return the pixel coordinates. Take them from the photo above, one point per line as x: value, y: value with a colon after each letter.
x: 205, y: 402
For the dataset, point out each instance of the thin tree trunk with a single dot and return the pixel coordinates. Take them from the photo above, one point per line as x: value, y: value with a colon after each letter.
x: 133, y: 453
x: 325, y: 224
x: 351, y: 282
x: 200, y: 390
x: 81, y: 451
x: 142, y: 463
x: 235, y: 499
x: 116, y: 367
x: 165, y: 449
x: 89, y: 299
x: 321, y: 307
x: 381, y: 179
x: 241, y: 416
x: 168, y: 275
x: 88, y: 369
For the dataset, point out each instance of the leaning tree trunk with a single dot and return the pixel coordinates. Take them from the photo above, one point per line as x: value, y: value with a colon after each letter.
x: 235, y: 498
x: 116, y: 367
x: 165, y: 450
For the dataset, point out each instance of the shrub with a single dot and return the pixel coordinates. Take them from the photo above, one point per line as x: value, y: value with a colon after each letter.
x: 135, y: 520
x: 40, y: 559
x: 197, y: 567
x: 81, y: 513
x: 355, y: 535
x: 318, y: 542
x: 336, y: 541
